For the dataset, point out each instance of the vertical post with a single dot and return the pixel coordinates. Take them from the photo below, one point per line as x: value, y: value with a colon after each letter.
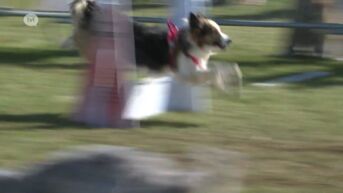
x: 111, y: 56
x: 182, y: 8
x: 333, y: 13
x: 308, y: 41
x: 185, y: 97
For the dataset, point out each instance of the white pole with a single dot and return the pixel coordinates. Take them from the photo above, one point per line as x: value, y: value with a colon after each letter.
x: 185, y: 97
x: 182, y: 8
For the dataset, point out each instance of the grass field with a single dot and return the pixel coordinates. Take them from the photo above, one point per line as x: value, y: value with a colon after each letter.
x: 291, y: 135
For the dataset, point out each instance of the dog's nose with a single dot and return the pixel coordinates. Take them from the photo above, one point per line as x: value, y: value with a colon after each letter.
x: 228, y: 41
x: 224, y: 43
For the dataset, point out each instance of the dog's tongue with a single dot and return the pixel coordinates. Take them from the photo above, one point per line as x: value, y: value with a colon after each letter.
x: 172, y: 32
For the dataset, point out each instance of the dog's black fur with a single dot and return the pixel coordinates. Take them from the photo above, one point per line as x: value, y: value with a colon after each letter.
x: 151, y: 44
x: 151, y: 47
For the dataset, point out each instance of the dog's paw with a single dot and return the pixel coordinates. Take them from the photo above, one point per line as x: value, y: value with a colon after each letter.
x: 228, y: 78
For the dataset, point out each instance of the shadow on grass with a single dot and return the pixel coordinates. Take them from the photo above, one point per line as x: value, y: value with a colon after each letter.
x: 160, y: 123
x: 29, y: 58
x: 296, y: 65
x: 51, y: 66
x: 49, y: 121
x: 59, y: 121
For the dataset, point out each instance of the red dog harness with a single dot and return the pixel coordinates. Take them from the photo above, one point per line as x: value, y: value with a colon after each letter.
x: 173, y: 33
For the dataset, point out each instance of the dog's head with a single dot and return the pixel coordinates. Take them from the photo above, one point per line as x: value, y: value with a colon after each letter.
x: 206, y: 33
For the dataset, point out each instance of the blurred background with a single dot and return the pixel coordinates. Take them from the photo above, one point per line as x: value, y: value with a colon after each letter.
x: 288, y: 120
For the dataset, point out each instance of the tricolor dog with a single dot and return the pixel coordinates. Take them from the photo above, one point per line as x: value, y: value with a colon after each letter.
x: 184, y: 52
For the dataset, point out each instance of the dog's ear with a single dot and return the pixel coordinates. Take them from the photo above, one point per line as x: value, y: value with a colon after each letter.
x: 194, y: 21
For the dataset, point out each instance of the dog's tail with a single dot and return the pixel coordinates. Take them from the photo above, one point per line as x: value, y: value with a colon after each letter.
x: 82, y: 12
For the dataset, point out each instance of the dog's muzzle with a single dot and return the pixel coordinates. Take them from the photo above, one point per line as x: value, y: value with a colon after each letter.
x: 224, y: 42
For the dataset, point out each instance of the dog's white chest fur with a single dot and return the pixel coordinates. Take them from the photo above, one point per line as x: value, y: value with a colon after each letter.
x: 192, y: 72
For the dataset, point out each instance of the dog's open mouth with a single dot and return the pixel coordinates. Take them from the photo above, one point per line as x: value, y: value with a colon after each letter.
x: 221, y: 45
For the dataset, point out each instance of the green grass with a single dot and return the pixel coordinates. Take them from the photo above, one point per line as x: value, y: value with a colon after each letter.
x: 20, y: 4
x: 292, y: 135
